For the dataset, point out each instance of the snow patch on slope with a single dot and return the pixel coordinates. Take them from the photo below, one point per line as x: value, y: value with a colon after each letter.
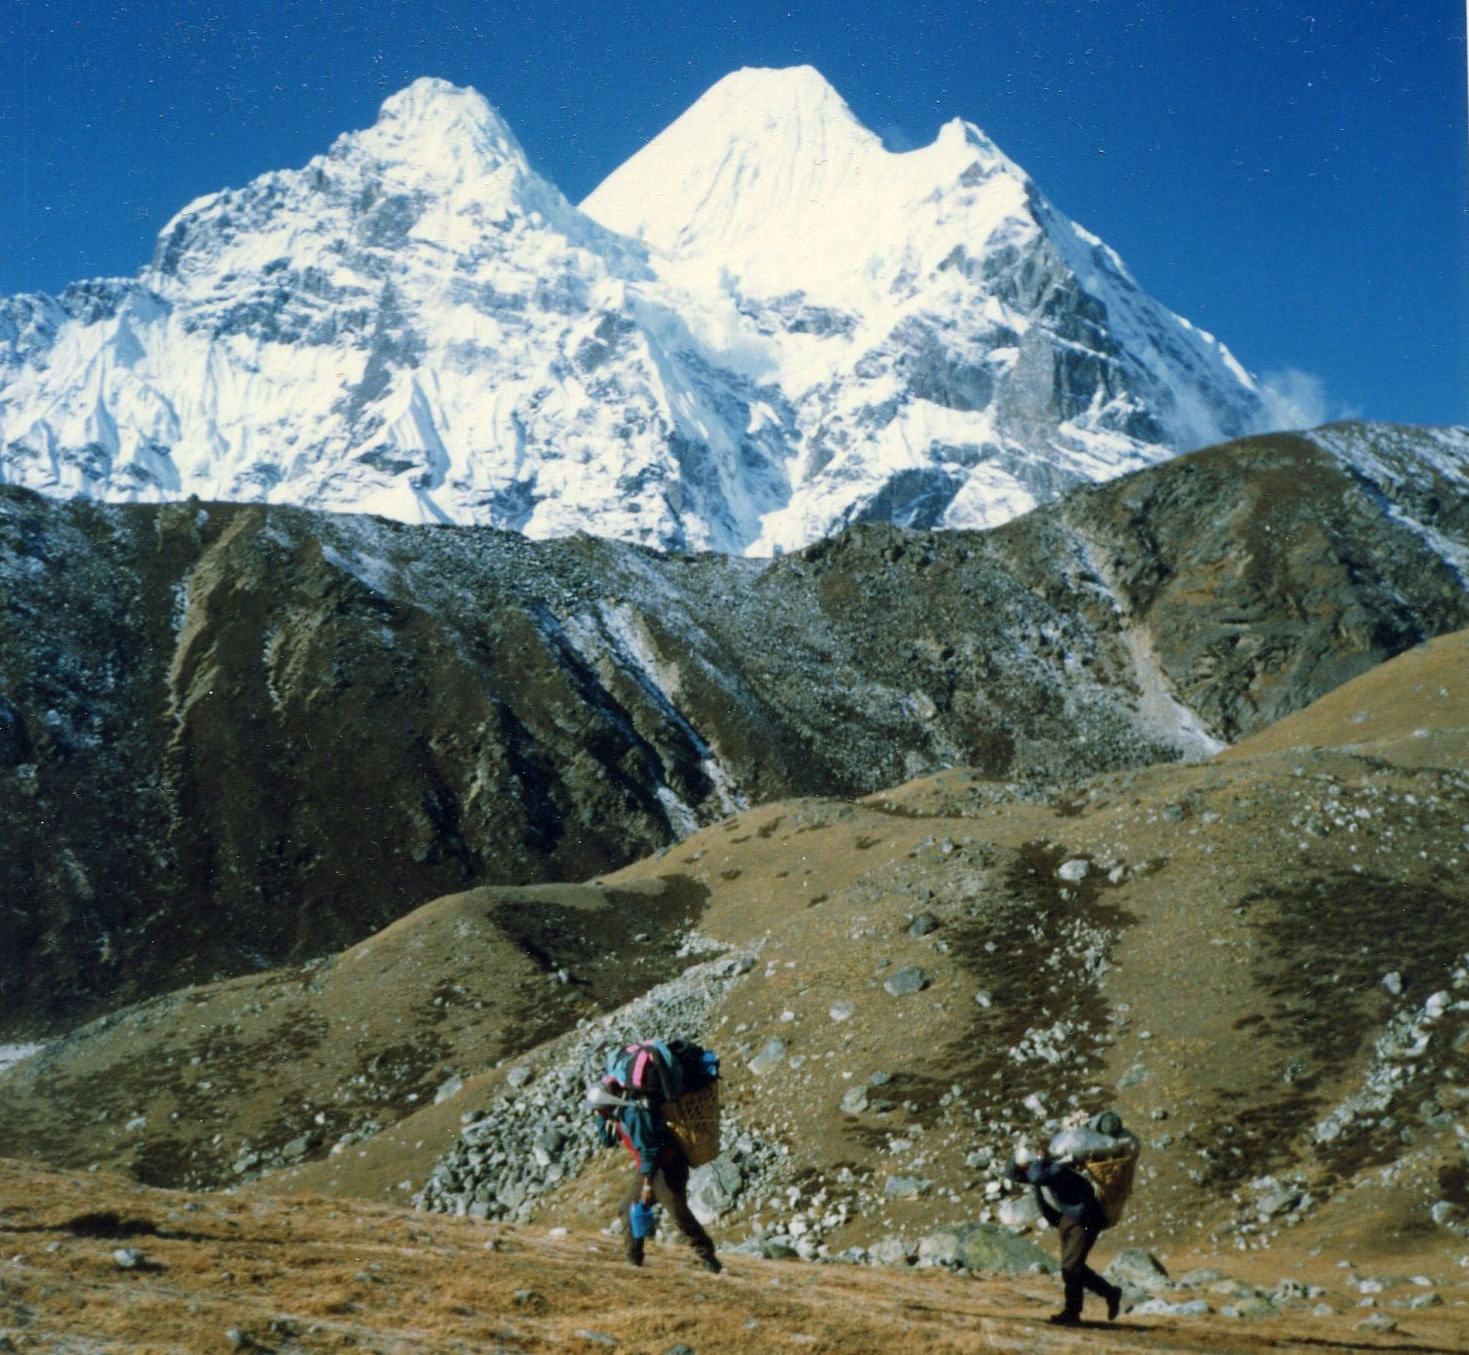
x: 635, y: 648
x: 11, y: 1054
x: 1414, y: 478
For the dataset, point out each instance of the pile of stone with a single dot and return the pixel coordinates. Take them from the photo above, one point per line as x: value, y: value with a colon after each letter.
x: 537, y: 1132
x: 1409, y: 1054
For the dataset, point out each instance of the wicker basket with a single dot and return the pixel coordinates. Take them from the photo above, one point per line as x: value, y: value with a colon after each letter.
x: 1114, y: 1176
x: 694, y: 1120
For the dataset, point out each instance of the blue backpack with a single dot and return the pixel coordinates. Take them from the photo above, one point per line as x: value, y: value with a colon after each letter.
x: 663, y: 1071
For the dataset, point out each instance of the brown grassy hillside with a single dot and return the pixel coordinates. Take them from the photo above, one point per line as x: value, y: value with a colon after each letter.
x: 305, y: 1275
x: 1258, y: 960
x: 237, y: 737
x: 1411, y: 711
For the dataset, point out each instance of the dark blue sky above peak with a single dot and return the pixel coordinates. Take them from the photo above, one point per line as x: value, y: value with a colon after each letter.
x: 1292, y: 177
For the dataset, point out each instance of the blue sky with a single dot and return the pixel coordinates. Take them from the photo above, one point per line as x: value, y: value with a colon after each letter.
x: 1291, y: 176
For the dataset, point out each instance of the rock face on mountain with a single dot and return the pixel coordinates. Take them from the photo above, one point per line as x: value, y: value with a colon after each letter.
x: 414, y: 324
x: 233, y: 735
x: 1261, y: 573
x: 809, y: 331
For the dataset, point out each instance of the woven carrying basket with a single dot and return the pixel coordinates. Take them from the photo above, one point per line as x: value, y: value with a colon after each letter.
x: 1113, y: 1176
x: 694, y: 1122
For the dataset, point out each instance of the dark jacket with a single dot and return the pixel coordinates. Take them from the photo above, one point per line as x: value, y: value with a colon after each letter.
x: 643, y: 1134
x: 1071, y: 1194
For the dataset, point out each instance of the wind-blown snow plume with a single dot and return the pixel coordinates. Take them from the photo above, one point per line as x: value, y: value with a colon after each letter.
x: 1296, y: 400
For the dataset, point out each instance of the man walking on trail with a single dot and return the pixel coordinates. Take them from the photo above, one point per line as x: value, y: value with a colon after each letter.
x: 663, y: 1168
x: 1075, y: 1212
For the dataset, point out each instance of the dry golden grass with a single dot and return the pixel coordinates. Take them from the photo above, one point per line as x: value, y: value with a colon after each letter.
x: 1411, y: 710
x: 1235, y: 900
x: 316, y: 1275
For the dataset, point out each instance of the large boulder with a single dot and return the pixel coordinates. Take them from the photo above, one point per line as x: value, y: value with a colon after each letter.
x: 714, y: 1187
x: 987, y: 1246
x: 1138, y: 1269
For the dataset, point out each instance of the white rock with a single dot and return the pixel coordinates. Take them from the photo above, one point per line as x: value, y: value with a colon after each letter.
x: 769, y: 1057
x: 1163, y: 1308
x: 1020, y: 1212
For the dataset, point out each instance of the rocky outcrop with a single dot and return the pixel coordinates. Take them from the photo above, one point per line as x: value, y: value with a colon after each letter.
x: 233, y: 736
x: 1268, y: 571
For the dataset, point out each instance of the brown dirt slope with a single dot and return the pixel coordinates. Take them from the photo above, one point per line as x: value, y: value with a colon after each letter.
x: 1412, y: 710
x: 212, y: 1083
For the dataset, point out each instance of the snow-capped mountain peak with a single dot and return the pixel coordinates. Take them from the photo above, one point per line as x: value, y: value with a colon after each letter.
x: 440, y: 131
x: 957, y: 349
x: 770, y: 178
x: 759, y: 142
x: 771, y: 108
x: 763, y: 326
x: 439, y: 165
x: 414, y: 324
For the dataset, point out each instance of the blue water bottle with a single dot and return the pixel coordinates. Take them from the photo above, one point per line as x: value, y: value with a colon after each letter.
x: 642, y: 1219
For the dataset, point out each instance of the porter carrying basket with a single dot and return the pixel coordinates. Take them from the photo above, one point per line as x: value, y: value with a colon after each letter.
x: 694, y: 1121
x: 1113, y: 1175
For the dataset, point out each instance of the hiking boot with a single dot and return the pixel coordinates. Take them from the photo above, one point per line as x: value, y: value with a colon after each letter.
x: 712, y: 1264
x: 1114, y: 1303
x: 1065, y: 1319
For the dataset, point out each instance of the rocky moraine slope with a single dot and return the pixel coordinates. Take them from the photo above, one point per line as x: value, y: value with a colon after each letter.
x: 234, y: 735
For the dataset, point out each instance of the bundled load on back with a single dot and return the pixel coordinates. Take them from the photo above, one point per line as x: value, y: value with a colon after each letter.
x: 679, y: 1081
x: 1108, y: 1154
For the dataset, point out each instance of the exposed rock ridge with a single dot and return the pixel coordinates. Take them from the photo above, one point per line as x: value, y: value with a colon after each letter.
x: 205, y: 708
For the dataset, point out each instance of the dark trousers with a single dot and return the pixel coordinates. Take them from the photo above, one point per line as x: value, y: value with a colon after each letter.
x: 670, y: 1189
x: 1076, y: 1275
